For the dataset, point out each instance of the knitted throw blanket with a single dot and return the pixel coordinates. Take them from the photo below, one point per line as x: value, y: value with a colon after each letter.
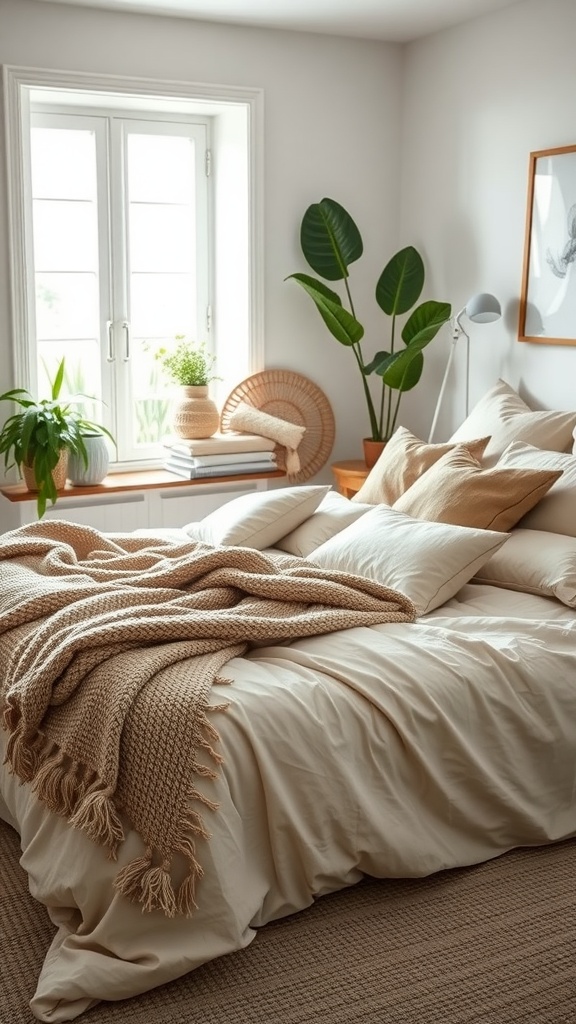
x: 109, y: 648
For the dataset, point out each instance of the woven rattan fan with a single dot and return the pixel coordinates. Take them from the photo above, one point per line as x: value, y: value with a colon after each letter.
x: 294, y: 398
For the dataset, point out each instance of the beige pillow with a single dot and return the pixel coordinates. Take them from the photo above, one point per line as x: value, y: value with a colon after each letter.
x: 402, y: 462
x: 503, y: 415
x: 334, y: 513
x: 428, y: 562
x: 258, y: 520
x: 556, y: 512
x: 458, y: 490
x: 535, y: 562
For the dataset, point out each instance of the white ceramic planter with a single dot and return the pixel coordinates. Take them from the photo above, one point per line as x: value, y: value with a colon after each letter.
x: 98, y: 462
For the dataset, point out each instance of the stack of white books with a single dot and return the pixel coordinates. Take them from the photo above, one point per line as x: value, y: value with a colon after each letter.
x: 221, y: 455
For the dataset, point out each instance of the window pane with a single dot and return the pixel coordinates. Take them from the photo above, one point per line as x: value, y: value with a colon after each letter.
x: 162, y: 305
x: 63, y: 163
x: 82, y: 374
x: 65, y: 235
x: 66, y: 306
x: 162, y: 238
x: 160, y: 168
x: 150, y: 396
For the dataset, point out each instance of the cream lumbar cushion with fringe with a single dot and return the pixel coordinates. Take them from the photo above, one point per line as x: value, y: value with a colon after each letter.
x: 289, y: 435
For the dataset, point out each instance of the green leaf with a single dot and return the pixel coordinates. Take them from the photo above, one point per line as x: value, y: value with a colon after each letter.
x: 374, y: 364
x: 341, y: 324
x: 57, y: 383
x: 400, y: 283
x: 13, y: 396
x: 425, y: 322
x: 29, y: 426
x: 404, y: 370
x: 330, y: 239
x: 88, y: 427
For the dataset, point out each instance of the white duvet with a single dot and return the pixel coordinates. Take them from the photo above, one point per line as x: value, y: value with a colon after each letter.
x: 394, y: 750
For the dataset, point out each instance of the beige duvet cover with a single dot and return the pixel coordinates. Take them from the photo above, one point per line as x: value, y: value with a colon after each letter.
x: 392, y: 750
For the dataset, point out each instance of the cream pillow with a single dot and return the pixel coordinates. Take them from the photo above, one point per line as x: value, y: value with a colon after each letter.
x: 503, y: 415
x: 556, y: 512
x: 458, y: 490
x: 535, y: 562
x: 258, y: 520
x: 428, y: 562
x: 333, y: 514
x: 402, y: 462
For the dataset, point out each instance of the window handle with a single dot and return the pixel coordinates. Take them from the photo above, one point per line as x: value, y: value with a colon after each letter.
x: 126, y: 329
x: 110, y: 357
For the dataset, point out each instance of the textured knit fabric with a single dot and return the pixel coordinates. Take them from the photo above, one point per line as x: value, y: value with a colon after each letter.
x: 247, y: 417
x: 110, y: 648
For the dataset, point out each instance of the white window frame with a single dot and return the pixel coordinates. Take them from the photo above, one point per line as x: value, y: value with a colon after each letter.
x: 166, y: 97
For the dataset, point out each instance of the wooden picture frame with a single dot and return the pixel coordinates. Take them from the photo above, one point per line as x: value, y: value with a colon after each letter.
x: 547, y: 312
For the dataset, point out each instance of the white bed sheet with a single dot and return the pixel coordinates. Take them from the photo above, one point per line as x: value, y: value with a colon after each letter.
x: 398, y: 750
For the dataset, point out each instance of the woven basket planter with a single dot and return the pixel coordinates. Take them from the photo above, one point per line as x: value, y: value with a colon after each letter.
x: 194, y: 414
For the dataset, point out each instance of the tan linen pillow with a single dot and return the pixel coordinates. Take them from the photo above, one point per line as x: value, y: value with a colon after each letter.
x: 334, y: 513
x: 429, y: 562
x: 535, y: 562
x: 556, y: 512
x: 503, y: 415
x: 458, y: 490
x: 402, y: 462
x: 258, y: 520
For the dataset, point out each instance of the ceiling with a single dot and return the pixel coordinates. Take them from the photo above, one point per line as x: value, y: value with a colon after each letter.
x: 392, y: 20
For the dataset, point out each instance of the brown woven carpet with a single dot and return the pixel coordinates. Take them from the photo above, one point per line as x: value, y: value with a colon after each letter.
x: 492, y: 944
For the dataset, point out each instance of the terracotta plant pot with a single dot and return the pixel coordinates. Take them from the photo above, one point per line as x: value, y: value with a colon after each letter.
x: 195, y: 414
x: 58, y: 474
x: 372, y: 451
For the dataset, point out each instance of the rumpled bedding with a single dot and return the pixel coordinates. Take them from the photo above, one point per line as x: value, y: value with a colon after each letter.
x: 390, y: 750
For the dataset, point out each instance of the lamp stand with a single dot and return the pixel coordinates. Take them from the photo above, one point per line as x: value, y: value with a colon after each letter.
x: 457, y: 332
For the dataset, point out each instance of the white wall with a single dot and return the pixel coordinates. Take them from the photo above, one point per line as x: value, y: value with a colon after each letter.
x: 332, y: 122
x: 473, y: 102
x: 477, y: 100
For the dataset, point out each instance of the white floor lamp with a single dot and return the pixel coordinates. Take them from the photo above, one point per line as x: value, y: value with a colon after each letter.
x: 480, y: 309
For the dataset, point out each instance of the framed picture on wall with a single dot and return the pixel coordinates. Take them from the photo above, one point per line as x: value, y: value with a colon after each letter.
x: 548, y: 296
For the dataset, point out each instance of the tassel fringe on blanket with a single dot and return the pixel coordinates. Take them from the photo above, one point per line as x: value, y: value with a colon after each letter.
x: 106, y: 698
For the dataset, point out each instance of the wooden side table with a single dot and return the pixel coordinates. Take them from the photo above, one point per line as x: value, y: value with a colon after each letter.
x: 349, y: 476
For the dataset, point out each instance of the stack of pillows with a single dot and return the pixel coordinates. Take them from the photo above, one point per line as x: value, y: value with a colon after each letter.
x: 430, y: 517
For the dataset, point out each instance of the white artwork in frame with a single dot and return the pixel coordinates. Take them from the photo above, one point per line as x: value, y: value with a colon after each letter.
x: 548, y: 296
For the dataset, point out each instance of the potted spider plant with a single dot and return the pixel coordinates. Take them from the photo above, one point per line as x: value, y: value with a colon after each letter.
x: 330, y: 242
x: 38, y: 438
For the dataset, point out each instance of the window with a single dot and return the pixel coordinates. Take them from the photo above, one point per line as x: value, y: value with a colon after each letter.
x: 134, y: 219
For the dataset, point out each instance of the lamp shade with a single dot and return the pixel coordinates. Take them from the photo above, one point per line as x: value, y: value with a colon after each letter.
x: 483, y: 308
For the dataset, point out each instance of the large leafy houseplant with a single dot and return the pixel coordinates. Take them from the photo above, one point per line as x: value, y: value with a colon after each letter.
x: 36, y: 436
x: 330, y: 242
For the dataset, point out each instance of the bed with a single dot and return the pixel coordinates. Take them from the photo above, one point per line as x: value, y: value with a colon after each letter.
x: 442, y: 736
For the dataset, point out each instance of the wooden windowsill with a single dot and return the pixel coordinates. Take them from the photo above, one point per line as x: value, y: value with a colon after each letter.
x: 143, y: 480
